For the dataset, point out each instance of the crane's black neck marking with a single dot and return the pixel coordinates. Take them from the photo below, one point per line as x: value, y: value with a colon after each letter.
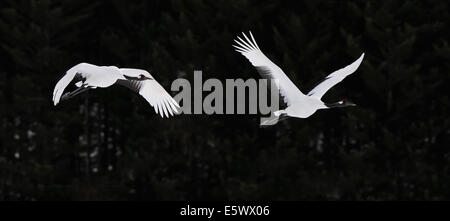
x: 133, y: 78
x: 137, y: 78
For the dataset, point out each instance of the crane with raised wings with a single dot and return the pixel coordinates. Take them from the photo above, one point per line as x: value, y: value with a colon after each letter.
x: 298, y: 104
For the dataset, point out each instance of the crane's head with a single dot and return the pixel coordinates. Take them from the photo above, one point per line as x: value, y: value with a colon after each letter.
x: 136, y: 74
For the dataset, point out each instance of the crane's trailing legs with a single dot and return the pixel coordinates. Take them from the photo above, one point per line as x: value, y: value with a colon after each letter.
x: 273, y: 119
x: 79, y: 90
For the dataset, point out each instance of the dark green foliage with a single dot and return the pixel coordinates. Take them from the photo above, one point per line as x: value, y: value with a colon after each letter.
x: 393, y: 146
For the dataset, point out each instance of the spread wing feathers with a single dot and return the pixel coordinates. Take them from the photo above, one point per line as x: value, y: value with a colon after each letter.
x: 266, y: 68
x: 62, y: 84
x: 155, y: 94
x: 334, y: 78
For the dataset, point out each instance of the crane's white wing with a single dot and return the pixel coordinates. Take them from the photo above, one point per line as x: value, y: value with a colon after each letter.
x: 267, y: 68
x: 334, y: 78
x: 62, y: 84
x: 155, y: 94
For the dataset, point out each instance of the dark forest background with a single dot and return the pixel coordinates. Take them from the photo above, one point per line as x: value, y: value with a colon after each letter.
x: 109, y: 144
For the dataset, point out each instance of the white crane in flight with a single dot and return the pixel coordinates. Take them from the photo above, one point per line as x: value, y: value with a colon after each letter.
x: 298, y: 104
x: 91, y: 76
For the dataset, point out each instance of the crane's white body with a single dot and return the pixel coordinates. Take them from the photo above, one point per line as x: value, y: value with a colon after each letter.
x: 303, y: 108
x: 298, y: 104
x: 137, y: 80
x: 99, y: 76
